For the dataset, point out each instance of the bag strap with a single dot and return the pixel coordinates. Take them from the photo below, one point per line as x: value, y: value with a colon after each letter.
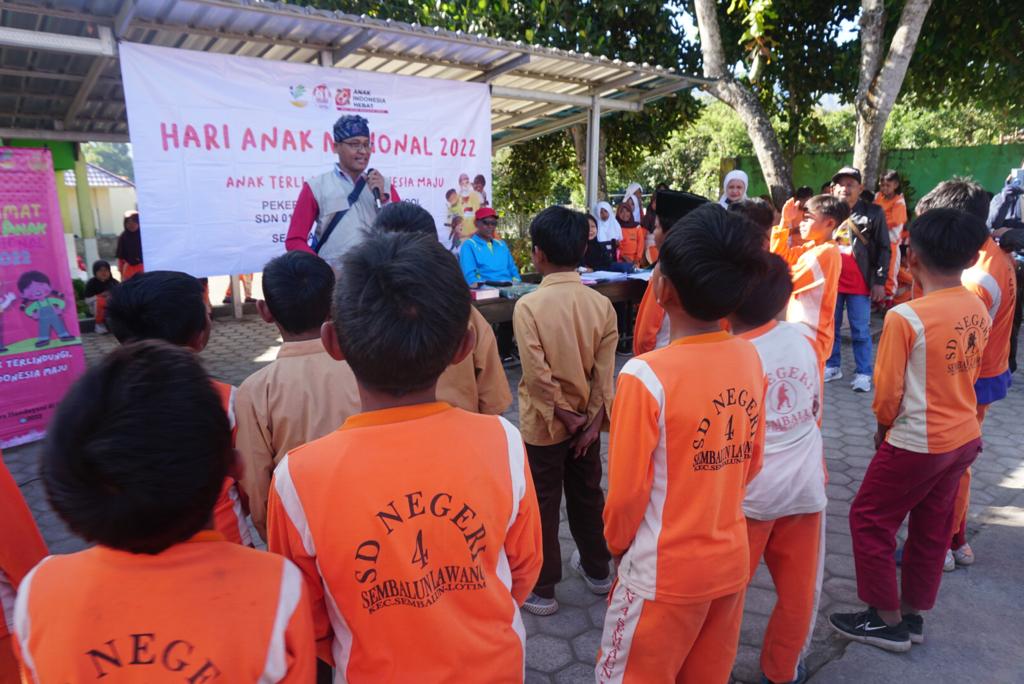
x: 318, y: 244
x: 856, y: 231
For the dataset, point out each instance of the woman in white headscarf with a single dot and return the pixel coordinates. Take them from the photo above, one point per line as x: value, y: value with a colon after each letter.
x: 608, y: 228
x: 734, y: 188
x: 635, y: 193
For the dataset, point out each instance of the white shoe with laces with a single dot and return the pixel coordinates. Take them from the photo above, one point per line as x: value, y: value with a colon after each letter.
x: 861, y: 383
x: 964, y: 555
x: 833, y: 373
x: 949, y: 565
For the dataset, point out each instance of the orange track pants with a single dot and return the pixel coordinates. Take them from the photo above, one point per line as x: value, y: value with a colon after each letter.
x: 963, y: 498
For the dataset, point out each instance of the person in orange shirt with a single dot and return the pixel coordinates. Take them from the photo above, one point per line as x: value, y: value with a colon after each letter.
x: 651, y: 329
x: 160, y: 597
x: 687, y: 436
x: 631, y: 246
x: 785, y: 502
x: 21, y: 547
x: 171, y: 306
x: 793, y: 209
x: 567, y: 336
x: 929, y: 358
x: 994, y: 280
x: 478, y: 383
x: 415, y: 524
x: 890, y: 198
x: 304, y: 393
x: 816, y: 263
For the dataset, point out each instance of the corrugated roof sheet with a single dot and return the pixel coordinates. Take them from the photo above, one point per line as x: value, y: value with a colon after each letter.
x: 98, y: 177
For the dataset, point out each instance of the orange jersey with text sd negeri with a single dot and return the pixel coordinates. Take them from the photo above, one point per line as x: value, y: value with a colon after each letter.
x: 21, y: 546
x: 228, y: 512
x: 895, y: 216
x: 687, y: 436
x: 929, y: 358
x: 815, y: 289
x: 993, y: 279
x: 203, y: 610
x: 418, y: 533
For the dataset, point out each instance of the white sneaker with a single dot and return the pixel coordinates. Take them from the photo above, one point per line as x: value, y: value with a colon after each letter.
x: 949, y: 565
x: 964, y: 555
x: 832, y: 373
x: 861, y: 383
x: 596, y: 586
x: 100, y: 329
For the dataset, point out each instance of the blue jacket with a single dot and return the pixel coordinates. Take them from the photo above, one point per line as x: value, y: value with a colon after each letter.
x: 487, y: 261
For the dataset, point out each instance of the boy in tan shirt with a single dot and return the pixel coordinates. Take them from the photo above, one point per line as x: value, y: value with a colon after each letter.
x: 567, y: 335
x: 305, y: 393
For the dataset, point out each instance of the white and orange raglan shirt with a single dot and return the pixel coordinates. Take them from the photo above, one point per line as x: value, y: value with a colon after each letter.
x: 929, y: 357
x: 687, y: 436
x: 896, y: 218
x: 792, y: 479
x: 229, y: 517
x: 994, y: 280
x: 418, y: 534
x: 815, y: 272
x: 203, y: 610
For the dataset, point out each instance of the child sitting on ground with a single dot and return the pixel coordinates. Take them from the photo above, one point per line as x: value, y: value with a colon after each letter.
x: 567, y: 334
x: 171, y: 306
x: 415, y: 523
x: 687, y: 436
x: 785, y: 502
x: 161, y: 597
x: 304, y: 393
x: 97, y: 290
x: 929, y: 358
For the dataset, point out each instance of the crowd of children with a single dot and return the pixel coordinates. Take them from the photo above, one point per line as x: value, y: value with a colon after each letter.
x: 408, y: 523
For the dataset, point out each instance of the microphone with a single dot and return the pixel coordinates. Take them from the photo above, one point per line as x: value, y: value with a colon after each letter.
x: 376, y: 192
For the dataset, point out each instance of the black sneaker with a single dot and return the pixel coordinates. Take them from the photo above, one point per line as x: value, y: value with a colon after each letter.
x: 915, y: 625
x: 867, y: 627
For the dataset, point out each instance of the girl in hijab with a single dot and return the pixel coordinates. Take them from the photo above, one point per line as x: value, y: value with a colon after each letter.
x: 632, y: 244
x: 634, y: 193
x: 608, y: 229
x: 734, y: 188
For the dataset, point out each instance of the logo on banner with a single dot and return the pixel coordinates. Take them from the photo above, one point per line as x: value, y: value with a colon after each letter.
x: 359, y: 100
x: 322, y: 95
x: 298, y: 92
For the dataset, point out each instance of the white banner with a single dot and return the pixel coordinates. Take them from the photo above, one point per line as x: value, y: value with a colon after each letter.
x: 222, y: 144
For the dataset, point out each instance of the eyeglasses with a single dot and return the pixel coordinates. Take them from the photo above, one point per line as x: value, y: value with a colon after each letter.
x: 357, y: 146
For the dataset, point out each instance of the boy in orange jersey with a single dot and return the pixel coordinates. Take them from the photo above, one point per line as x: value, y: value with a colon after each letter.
x: 994, y: 280
x: 567, y: 335
x: 793, y: 209
x: 415, y: 523
x: 929, y: 358
x: 304, y: 393
x: 687, y: 436
x: 478, y: 383
x: 21, y: 547
x: 651, y: 330
x: 171, y: 306
x: 161, y: 597
x: 785, y: 503
x: 890, y: 198
x: 816, y: 263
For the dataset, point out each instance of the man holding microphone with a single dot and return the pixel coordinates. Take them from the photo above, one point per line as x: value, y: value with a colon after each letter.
x: 343, y: 202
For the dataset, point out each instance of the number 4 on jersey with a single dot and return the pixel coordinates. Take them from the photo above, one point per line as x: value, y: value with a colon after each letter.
x: 729, y: 432
x: 419, y: 554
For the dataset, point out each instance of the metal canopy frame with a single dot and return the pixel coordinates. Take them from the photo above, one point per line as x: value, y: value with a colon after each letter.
x: 60, y: 79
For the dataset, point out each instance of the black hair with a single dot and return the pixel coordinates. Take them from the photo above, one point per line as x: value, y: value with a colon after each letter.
x: 397, y: 333
x: 804, y: 192
x: 956, y: 193
x: 450, y: 191
x: 868, y: 195
x: 769, y: 293
x: 405, y: 217
x: 158, y: 305
x: 29, y: 277
x: 297, y: 287
x: 946, y: 240
x: 479, y: 178
x: 829, y: 206
x: 826, y: 187
x: 561, y: 234
x: 891, y: 175
x: 137, y: 451
x: 758, y: 211
x: 98, y: 264
x: 712, y: 257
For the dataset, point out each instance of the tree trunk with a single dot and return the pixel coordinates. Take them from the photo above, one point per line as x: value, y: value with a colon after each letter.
x: 774, y: 164
x: 880, y: 81
x: 579, y: 143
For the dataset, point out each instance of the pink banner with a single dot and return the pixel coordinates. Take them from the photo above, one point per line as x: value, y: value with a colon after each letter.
x: 40, y: 348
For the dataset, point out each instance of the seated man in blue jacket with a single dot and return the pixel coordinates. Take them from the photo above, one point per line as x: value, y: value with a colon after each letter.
x: 485, y: 258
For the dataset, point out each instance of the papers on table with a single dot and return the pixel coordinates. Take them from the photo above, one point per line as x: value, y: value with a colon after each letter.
x: 640, y: 275
x: 604, y: 276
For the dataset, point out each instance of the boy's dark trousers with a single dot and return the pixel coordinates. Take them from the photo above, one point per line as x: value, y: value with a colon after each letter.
x: 553, y: 468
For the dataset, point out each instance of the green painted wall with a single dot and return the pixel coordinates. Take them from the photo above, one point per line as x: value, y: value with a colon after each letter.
x: 63, y: 152
x: 923, y: 169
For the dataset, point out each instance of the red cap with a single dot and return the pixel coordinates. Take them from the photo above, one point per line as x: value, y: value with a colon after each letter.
x: 485, y: 212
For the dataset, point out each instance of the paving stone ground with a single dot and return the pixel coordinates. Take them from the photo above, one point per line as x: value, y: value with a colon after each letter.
x: 562, y: 648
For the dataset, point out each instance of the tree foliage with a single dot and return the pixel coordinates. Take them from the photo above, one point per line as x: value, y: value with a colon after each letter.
x: 114, y: 157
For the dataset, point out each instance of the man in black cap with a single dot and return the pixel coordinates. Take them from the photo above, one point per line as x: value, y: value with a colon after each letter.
x: 340, y: 202
x: 863, y: 241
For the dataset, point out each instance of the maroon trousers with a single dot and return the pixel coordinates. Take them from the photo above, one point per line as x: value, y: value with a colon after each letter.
x: 896, y: 483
